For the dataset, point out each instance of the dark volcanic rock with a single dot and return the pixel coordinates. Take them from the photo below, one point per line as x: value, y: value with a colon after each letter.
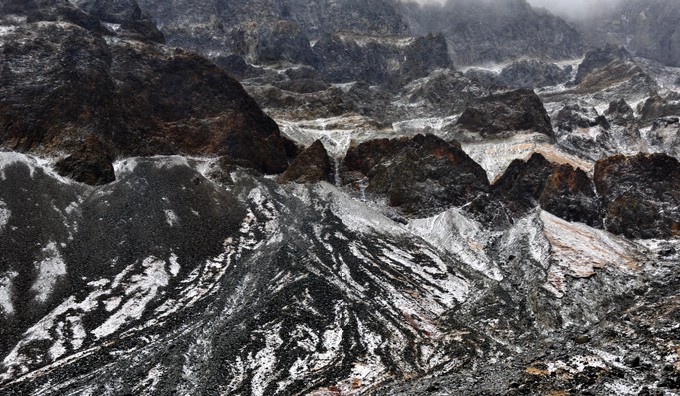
x: 62, y: 83
x: 570, y: 194
x: 386, y: 61
x: 606, y: 67
x: 114, y: 11
x: 620, y: 112
x: 560, y: 189
x: 534, y: 74
x: 422, y: 176
x: 522, y: 184
x: 657, y: 106
x: 92, y: 164
x: 504, y: 114
x: 641, y: 195
x: 573, y: 116
x: 311, y: 166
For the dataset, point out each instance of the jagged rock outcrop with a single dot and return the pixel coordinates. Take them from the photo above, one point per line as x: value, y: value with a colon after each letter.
x: 421, y: 176
x: 313, y: 165
x: 390, y: 62
x: 612, y: 67
x: 481, y: 31
x: 504, y: 114
x: 92, y: 164
x: 641, y: 195
x: 664, y: 136
x: 63, y: 84
x: 570, y: 194
x: 532, y: 74
x: 657, y: 106
x: 558, y: 188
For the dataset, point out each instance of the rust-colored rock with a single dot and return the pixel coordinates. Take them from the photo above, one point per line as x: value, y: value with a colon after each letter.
x: 311, y: 166
x: 570, y: 194
x: 61, y: 83
x: 92, y: 164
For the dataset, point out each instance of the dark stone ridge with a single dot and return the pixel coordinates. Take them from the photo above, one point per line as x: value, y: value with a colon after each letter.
x: 348, y: 58
x: 657, y: 106
x: 532, y: 74
x: 62, y: 83
x: 422, y: 175
x: 312, y: 166
x: 92, y: 164
x: 620, y: 113
x: 259, y: 42
x: 573, y: 116
x: 570, y: 194
x: 605, y: 67
x: 483, y: 31
x: 522, y: 184
x: 560, y: 189
x: 641, y: 195
x: 504, y: 114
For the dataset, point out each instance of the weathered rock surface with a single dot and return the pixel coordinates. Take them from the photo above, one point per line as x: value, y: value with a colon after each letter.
x: 63, y: 83
x: 532, y: 74
x: 311, y: 166
x: 504, y: 114
x: 390, y: 62
x: 421, y: 176
x: 612, y: 67
x: 641, y: 195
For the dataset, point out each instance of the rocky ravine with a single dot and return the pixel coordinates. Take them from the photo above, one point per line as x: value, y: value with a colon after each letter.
x: 452, y: 256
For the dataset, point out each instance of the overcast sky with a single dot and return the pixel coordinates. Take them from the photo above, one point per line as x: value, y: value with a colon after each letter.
x: 573, y: 8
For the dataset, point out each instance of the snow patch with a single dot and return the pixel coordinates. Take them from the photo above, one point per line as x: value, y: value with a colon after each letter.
x: 50, y: 269
x: 5, y: 214
x: 6, y: 287
x: 171, y: 217
x: 140, y: 290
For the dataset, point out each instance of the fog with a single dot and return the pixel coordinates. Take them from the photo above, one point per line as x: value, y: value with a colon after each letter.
x: 571, y: 9
x: 575, y: 9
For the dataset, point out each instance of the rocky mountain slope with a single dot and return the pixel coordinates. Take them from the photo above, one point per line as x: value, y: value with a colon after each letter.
x: 396, y: 227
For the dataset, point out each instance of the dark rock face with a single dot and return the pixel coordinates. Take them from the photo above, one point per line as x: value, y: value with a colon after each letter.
x: 115, y: 11
x: 422, y: 175
x: 479, y: 32
x: 609, y: 66
x: 92, y: 164
x: 312, y: 166
x: 62, y: 84
x: 570, y: 194
x: 522, y: 184
x: 347, y: 58
x: 572, y: 116
x: 504, y: 114
x: 641, y: 195
x: 560, y: 189
x: 620, y: 113
x: 657, y: 106
x: 532, y: 74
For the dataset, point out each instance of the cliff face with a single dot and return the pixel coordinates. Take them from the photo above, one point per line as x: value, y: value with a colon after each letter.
x: 647, y: 28
x: 495, y: 31
x: 63, y: 85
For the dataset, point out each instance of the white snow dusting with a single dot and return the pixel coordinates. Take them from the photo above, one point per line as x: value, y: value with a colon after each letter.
x: 50, y: 269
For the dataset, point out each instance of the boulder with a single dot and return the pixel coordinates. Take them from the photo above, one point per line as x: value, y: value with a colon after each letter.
x: 421, y: 176
x: 313, y: 165
x: 504, y: 114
